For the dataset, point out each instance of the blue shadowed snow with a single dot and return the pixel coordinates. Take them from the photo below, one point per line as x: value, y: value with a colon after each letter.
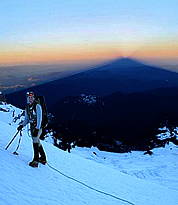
x: 134, y: 177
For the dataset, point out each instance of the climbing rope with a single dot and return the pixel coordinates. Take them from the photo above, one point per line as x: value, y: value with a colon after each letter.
x: 102, y: 192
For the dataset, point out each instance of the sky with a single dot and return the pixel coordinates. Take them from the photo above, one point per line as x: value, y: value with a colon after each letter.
x: 82, y: 31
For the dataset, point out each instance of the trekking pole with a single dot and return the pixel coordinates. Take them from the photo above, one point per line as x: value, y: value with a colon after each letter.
x: 12, y: 140
x: 15, y: 152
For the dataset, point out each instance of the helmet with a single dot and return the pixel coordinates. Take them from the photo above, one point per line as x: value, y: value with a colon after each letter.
x: 30, y: 94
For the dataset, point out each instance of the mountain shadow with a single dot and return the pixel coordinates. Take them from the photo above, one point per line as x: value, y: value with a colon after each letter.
x: 124, y: 75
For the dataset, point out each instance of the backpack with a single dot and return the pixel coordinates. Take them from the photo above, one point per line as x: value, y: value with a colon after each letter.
x: 41, y: 100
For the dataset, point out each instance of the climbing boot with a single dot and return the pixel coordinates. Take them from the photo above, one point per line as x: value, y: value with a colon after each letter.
x: 42, y: 159
x: 33, y: 163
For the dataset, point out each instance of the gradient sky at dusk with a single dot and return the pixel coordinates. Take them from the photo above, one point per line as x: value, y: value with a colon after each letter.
x: 78, y: 31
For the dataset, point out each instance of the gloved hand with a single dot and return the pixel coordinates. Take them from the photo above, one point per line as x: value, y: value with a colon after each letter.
x: 19, y: 127
x: 35, y: 133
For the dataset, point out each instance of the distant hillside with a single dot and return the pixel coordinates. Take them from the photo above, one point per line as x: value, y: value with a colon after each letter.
x: 124, y: 75
x: 131, y: 118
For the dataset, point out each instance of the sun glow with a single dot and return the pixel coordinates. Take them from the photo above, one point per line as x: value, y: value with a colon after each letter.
x: 58, y: 55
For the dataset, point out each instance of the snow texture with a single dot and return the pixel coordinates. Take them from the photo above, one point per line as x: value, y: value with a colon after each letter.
x: 136, y: 178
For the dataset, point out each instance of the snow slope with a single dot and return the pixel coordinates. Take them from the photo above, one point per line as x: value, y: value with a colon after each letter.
x: 23, y: 185
x: 160, y: 168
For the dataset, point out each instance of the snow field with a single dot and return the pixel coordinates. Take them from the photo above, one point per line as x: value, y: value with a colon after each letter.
x: 23, y: 185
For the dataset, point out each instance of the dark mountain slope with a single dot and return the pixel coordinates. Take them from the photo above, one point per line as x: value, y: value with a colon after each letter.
x: 138, y: 115
x: 131, y: 118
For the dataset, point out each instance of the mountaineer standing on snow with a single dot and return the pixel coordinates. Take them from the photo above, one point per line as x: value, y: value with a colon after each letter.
x: 33, y: 115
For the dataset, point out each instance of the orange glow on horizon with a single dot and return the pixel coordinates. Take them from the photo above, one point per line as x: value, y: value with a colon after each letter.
x: 40, y: 56
x: 87, y: 53
x: 161, y: 50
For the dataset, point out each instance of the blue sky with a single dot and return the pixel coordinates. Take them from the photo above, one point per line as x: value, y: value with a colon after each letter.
x: 50, y: 31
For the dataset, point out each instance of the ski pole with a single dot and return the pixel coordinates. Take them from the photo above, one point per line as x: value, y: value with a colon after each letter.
x: 15, y: 152
x: 12, y: 140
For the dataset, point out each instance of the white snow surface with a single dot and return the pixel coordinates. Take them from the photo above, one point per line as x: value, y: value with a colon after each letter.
x: 133, y: 178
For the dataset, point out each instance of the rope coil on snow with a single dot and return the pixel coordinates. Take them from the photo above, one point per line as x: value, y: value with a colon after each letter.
x: 102, y: 192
